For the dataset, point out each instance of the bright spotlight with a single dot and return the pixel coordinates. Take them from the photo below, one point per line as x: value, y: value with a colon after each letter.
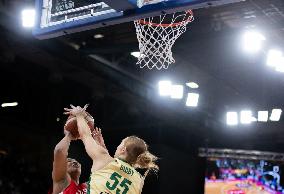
x: 246, y: 117
x: 28, y: 18
x: 280, y: 66
x: 262, y: 116
x: 275, y: 114
x: 253, y: 41
x: 177, y: 91
x: 192, y: 85
x: 253, y: 119
x: 10, y: 104
x: 192, y: 99
x: 274, y: 58
x: 135, y: 54
x: 98, y: 36
x: 232, y: 118
x: 165, y: 88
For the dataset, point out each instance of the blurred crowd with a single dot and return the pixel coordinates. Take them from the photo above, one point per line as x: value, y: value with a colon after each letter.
x: 18, y: 176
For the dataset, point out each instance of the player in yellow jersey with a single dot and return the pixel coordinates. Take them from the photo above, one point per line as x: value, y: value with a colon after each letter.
x: 114, y: 175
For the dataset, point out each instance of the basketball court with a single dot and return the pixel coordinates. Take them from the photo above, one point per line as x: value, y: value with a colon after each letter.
x: 233, y: 187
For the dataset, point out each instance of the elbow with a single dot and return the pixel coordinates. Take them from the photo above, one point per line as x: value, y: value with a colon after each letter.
x: 59, y: 150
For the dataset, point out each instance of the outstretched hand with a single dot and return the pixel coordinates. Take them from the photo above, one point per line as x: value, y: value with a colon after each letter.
x: 97, y: 134
x: 98, y: 137
x: 76, y: 111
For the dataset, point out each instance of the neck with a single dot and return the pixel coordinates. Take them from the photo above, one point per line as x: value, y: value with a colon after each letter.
x: 123, y: 158
x: 75, y: 178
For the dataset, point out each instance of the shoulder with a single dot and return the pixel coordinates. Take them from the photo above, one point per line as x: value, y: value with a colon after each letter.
x: 74, y: 186
x: 84, y: 185
x: 103, y: 163
x: 62, y: 185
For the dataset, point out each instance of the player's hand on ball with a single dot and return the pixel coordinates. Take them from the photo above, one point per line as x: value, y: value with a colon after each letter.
x: 71, y: 123
x: 76, y: 111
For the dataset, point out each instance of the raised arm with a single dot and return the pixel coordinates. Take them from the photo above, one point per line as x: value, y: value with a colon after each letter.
x: 93, y: 149
x: 60, y: 177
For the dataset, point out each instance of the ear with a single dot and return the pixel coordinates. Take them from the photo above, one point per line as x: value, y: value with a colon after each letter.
x: 123, y: 150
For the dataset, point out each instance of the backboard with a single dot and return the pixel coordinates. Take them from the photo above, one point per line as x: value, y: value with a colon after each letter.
x: 59, y: 17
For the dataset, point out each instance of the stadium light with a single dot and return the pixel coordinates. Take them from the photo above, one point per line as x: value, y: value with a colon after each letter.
x: 98, y: 36
x: 274, y: 58
x: 253, y: 119
x: 275, y: 114
x: 165, y: 88
x: 192, y: 85
x: 177, y: 91
x: 135, y: 54
x: 262, y: 116
x: 10, y: 104
x: 28, y: 18
x: 192, y: 99
x: 232, y: 118
x: 252, y: 41
x: 280, y: 66
x: 246, y: 117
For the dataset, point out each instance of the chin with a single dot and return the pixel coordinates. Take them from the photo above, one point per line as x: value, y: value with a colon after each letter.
x: 75, y: 170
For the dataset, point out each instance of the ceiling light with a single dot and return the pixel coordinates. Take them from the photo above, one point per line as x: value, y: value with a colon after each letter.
x: 280, y: 66
x: 275, y: 114
x: 165, y: 88
x: 177, y: 91
x: 192, y: 99
x: 246, y: 117
x: 28, y: 18
x: 262, y: 116
x: 253, y: 41
x: 232, y: 118
x: 135, y: 54
x: 192, y: 85
x: 274, y: 58
x: 253, y: 119
x: 98, y: 36
x: 10, y: 104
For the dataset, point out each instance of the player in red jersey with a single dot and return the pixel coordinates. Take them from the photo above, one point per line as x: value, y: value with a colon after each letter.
x: 66, y: 171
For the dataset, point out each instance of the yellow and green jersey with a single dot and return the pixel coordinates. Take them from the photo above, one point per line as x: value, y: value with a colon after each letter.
x: 117, y: 177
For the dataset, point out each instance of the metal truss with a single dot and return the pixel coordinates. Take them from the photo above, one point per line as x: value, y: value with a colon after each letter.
x: 240, y: 154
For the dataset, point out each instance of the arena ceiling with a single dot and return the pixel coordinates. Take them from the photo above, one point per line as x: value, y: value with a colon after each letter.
x: 47, y: 75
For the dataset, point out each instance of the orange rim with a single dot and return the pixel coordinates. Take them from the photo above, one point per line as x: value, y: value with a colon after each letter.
x: 190, y: 12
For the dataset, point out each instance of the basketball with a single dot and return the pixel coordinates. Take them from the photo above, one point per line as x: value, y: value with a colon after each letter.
x: 71, y: 125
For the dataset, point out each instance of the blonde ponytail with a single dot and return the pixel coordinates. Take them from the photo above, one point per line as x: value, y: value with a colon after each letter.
x: 139, y: 156
x: 146, y: 160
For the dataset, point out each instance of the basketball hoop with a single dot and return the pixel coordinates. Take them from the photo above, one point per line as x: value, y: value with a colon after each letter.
x: 157, y: 35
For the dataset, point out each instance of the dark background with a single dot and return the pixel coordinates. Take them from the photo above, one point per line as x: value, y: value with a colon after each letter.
x: 44, y: 76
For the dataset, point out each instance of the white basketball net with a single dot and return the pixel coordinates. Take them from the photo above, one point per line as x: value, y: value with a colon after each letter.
x: 157, y: 38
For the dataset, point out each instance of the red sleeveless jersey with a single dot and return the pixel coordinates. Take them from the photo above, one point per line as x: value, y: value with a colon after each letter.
x: 73, y: 188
